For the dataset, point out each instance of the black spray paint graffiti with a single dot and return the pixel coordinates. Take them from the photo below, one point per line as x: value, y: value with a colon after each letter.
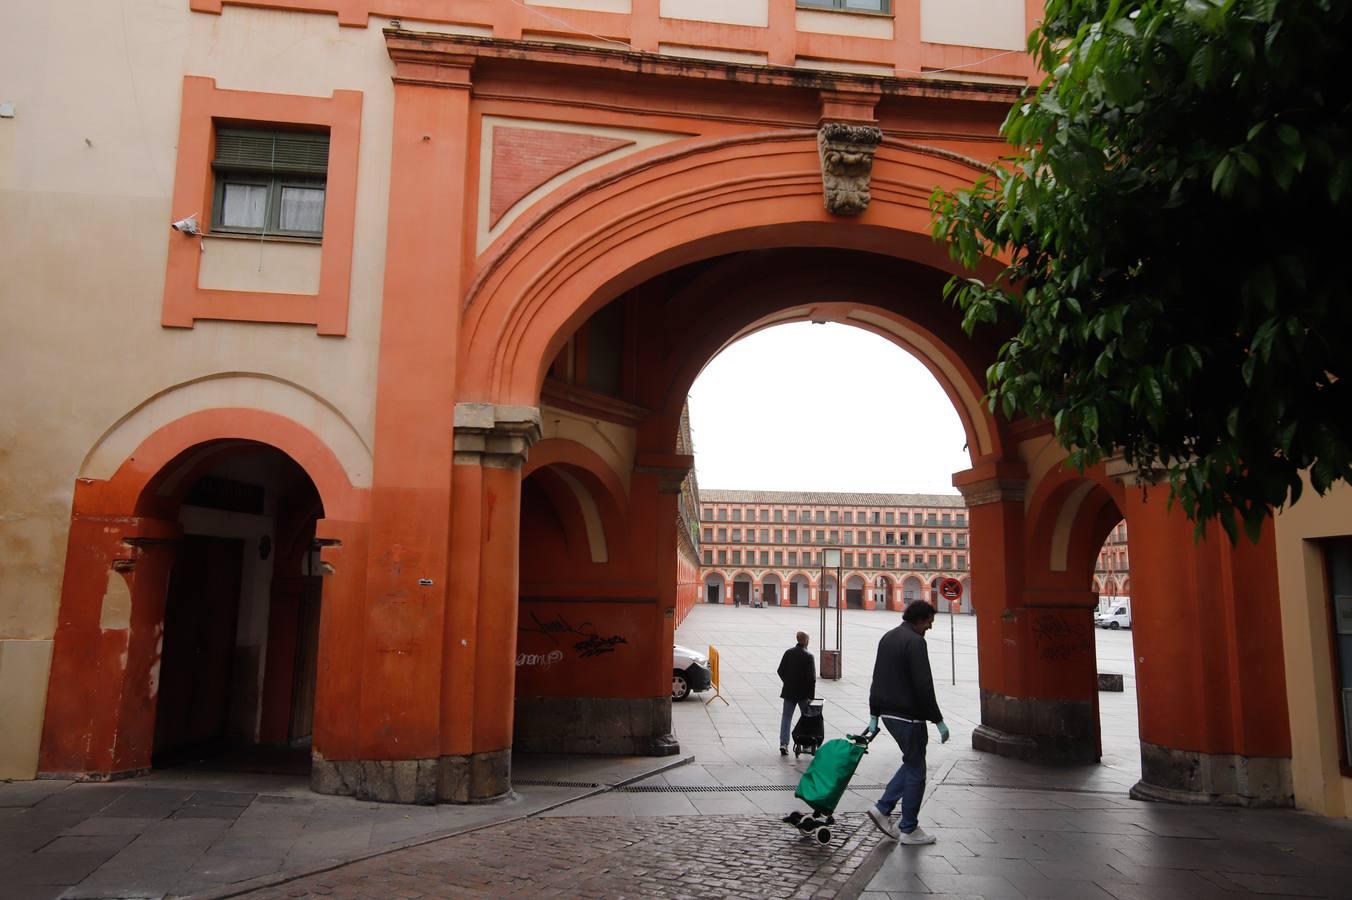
x: 1057, y: 639
x: 591, y: 645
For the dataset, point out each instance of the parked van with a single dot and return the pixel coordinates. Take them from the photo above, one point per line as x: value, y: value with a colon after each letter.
x: 1115, y: 614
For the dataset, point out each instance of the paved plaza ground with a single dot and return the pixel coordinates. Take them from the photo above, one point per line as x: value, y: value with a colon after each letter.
x: 709, y: 827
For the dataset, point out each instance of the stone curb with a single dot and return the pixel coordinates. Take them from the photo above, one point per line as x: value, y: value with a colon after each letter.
x: 336, y: 862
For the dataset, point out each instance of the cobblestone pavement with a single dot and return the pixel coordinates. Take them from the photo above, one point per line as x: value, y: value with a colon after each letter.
x: 662, y: 856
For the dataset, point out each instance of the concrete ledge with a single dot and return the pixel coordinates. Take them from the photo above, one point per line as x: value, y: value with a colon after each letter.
x: 1213, y: 779
x: 620, y: 727
x: 1050, y: 731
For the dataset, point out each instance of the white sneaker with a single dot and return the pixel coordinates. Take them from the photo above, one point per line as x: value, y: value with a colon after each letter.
x: 919, y: 836
x: 883, y: 823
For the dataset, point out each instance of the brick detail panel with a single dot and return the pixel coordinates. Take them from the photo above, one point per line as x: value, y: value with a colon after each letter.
x: 525, y: 158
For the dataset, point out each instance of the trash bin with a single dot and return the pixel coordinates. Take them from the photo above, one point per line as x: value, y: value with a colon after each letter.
x: 831, y: 664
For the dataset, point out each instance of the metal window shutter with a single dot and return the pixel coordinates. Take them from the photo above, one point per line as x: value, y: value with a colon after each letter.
x: 275, y: 152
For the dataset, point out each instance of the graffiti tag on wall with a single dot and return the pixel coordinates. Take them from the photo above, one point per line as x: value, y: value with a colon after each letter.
x: 591, y: 644
x: 1057, y: 639
x: 539, y: 660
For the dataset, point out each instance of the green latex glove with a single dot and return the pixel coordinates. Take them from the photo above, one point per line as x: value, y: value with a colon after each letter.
x: 873, y: 725
x: 943, y: 732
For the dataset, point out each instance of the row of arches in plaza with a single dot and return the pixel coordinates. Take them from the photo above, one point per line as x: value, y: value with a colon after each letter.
x: 861, y: 590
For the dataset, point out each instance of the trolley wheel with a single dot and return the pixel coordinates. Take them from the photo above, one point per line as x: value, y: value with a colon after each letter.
x: 808, y: 824
x: 823, y: 835
x: 793, y: 818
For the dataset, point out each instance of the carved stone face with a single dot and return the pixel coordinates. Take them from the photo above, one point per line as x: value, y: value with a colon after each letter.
x: 847, y: 163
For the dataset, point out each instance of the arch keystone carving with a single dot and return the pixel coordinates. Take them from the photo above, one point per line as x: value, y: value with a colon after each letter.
x: 847, y: 165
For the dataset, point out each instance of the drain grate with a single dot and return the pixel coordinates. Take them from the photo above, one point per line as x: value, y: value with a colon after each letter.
x: 546, y: 782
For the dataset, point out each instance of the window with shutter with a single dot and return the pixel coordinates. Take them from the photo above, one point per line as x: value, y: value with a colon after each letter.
x: 270, y: 182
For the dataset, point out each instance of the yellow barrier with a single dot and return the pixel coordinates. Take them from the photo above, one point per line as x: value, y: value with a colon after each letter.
x: 713, y: 667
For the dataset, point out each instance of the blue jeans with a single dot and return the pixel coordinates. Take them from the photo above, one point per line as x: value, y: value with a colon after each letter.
x: 787, y: 718
x: 908, y: 784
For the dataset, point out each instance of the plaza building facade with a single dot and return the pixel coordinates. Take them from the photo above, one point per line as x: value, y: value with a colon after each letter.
x: 346, y: 344
x: 1112, y: 573
x: 766, y: 547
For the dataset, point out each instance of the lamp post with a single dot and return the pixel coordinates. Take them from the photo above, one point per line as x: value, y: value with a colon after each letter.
x: 831, y: 659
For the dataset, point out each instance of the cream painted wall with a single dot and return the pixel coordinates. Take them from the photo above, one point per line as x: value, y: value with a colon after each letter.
x: 997, y: 24
x: 86, y: 175
x: 242, y: 264
x: 844, y: 23
x: 1310, y: 697
x: 727, y: 12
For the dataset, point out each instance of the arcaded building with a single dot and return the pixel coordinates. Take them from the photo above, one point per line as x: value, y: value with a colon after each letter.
x: 766, y: 547
x: 345, y: 346
x: 1112, y: 574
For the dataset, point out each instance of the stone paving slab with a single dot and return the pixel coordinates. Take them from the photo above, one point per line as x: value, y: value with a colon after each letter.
x: 571, y: 856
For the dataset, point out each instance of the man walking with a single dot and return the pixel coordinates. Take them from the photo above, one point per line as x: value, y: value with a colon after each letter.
x: 798, y: 672
x: 902, y: 695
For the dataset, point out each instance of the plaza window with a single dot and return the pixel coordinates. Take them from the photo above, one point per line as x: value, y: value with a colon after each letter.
x: 904, y: 560
x: 835, y: 536
x: 821, y: 535
x: 933, y: 561
x: 793, y: 535
x: 723, y: 535
x: 807, y: 515
x: 918, y: 539
x: 863, y: 537
x: 765, y: 515
x: 736, y: 534
x: 877, y: 538
x: 877, y: 560
x: 736, y: 515
x: 849, y: 517
x: 765, y: 557
x: 948, y: 561
x: 736, y: 557
x: 779, y: 557
x: 862, y: 6
x: 891, y: 560
x: 947, y: 519
x: 948, y: 539
x: 722, y: 514
x: 931, y: 540
x: 835, y: 517
x: 779, y: 535
x: 903, y: 519
x: 722, y: 557
x: 931, y: 519
x: 708, y: 534
x: 962, y: 520
x: 765, y: 535
x: 793, y: 557
x: 962, y: 562
x: 901, y: 539
x: 962, y: 540
x: 849, y: 559
x: 821, y: 516
x: 751, y: 515
x: 706, y: 514
x: 890, y: 537
x: 708, y: 557
x: 874, y: 519
x: 270, y: 182
x: 890, y: 519
x: 779, y: 515
x: 849, y: 537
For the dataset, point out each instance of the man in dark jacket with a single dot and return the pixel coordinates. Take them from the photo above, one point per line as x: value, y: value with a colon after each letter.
x: 798, y: 671
x: 902, y: 696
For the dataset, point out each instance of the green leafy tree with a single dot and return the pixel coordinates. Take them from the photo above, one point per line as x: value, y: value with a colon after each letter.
x: 1172, y: 237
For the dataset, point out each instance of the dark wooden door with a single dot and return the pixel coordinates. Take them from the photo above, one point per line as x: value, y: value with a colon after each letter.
x: 201, y: 615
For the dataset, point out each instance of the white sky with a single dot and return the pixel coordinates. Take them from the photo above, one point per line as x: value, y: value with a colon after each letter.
x: 804, y: 407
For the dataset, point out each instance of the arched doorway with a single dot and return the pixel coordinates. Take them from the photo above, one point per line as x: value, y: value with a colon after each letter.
x: 829, y: 588
x: 800, y: 590
x: 854, y: 592
x: 195, y: 591
x: 741, y: 589
x: 770, y: 589
x: 911, y: 589
x: 715, y: 588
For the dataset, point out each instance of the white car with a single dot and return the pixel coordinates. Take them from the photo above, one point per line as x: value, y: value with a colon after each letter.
x: 690, y: 673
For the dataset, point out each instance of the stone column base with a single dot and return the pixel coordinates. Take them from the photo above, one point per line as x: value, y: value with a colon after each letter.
x: 621, y: 727
x: 1213, y: 779
x: 1051, y: 731
x: 475, y: 778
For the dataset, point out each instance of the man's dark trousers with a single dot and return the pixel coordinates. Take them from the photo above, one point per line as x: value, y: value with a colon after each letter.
x: 908, y: 784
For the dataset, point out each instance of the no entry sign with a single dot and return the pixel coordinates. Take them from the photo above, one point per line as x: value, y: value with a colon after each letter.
x: 950, y: 589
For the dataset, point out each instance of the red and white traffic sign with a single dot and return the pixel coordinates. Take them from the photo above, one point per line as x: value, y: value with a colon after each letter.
x: 950, y: 589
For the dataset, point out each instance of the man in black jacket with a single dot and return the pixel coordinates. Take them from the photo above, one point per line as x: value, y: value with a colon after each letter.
x: 798, y: 671
x: 902, y: 695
